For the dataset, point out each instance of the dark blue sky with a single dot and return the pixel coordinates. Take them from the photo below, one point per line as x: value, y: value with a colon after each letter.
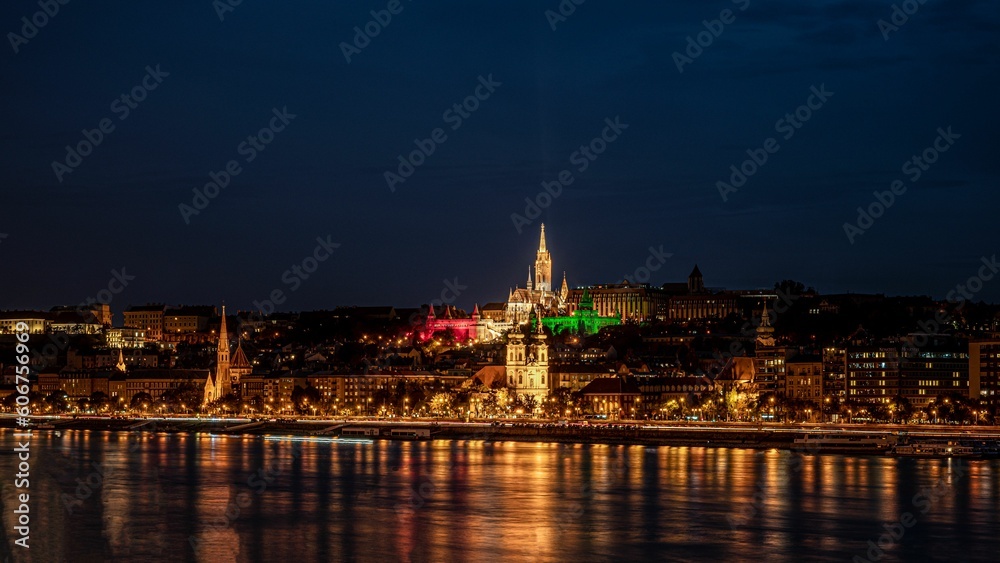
x: 654, y: 186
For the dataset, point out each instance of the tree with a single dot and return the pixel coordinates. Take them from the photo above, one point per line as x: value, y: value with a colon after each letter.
x: 184, y: 396
x: 306, y: 398
x: 230, y: 403
x: 558, y: 403
x: 255, y: 403
x: 900, y: 409
x: 57, y: 401
x: 529, y: 403
x: 738, y: 403
x: 441, y: 404
x: 99, y: 401
x: 791, y: 287
x: 141, y: 401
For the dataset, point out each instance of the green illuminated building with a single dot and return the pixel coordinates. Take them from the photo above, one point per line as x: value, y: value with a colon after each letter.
x: 584, y: 321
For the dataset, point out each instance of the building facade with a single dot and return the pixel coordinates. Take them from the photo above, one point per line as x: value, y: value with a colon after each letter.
x: 528, y: 365
x: 984, y: 371
x: 148, y: 318
x: 626, y: 301
x: 804, y: 379
x: 926, y: 373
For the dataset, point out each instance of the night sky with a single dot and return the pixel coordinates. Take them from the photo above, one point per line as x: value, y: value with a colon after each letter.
x: 655, y: 185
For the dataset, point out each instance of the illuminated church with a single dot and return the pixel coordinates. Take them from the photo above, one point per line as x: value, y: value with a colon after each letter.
x: 539, y: 294
x: 527, y: 365
x: 226, y: 378
x: 537, y: 298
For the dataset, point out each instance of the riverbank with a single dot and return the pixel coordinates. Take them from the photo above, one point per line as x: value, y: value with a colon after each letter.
x: 769, y: 436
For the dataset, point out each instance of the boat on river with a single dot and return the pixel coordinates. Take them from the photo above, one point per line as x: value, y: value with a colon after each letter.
x: 935, y: 449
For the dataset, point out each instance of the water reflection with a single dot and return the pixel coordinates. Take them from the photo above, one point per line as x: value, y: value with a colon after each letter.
x: 234, y: 499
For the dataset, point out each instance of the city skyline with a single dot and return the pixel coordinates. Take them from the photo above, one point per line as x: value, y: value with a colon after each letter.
x: 547, y: 280
x: 540, y: 290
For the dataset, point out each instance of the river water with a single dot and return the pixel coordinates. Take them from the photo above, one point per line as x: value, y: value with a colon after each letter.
x: 100, y: 496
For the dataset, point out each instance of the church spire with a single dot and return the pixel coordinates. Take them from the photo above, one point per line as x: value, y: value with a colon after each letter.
x: 223, y: 385
x: 564, y: 290
x: 223, y: 335
x: 529, y: 278
x: 121, y: 362
x: 543, y: 265
x: 765, y: 332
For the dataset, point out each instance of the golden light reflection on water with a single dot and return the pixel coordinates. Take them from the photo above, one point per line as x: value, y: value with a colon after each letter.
x: 218, y: 498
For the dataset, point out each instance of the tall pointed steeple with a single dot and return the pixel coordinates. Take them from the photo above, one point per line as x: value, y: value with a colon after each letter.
x: 543, y: 265
x: 223, y: 334
x: 121, y: 362
x: 222, y: 382
x: 564, y: 290
x: 529, y: 279
x: 765, y: 332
